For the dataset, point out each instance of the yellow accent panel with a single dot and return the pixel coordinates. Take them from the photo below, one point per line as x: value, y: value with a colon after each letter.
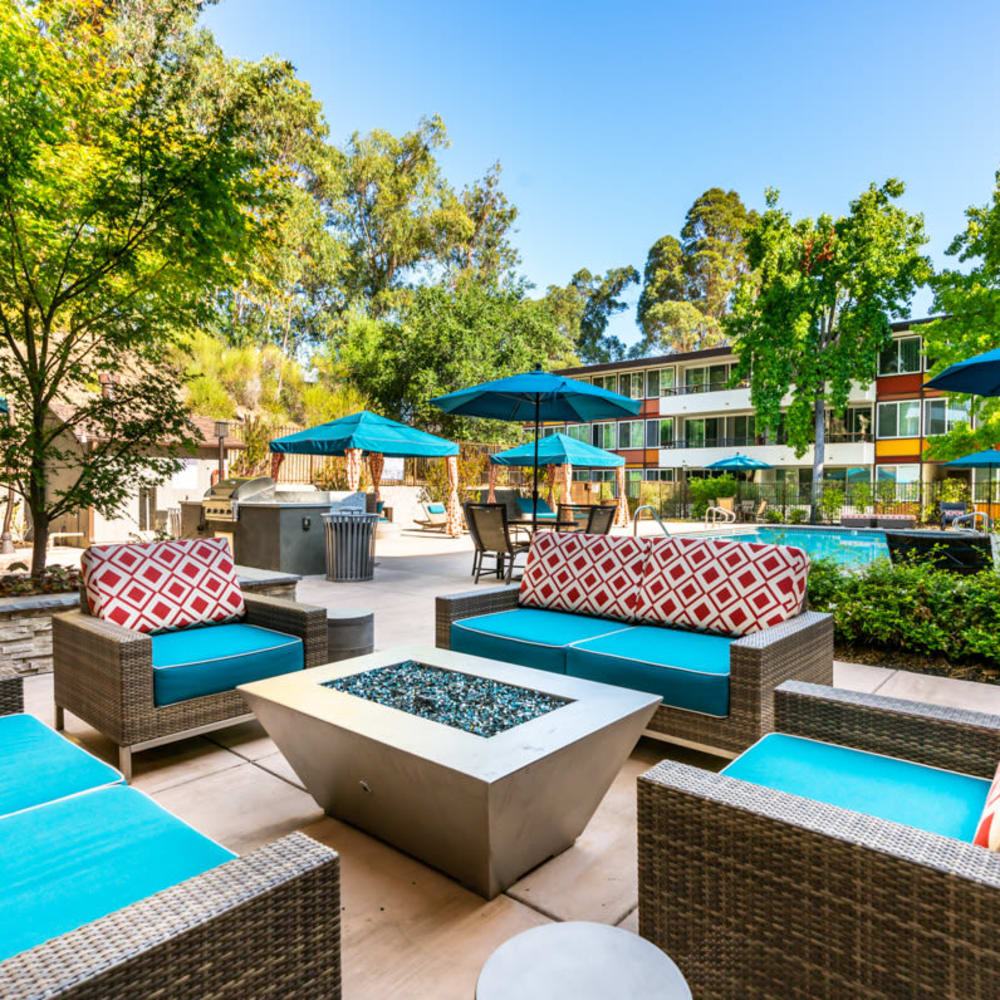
x: 897, y: 446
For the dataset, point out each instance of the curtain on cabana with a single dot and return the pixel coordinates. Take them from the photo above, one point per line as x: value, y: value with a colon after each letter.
x: 353, y: 456
x: 621, y: 511
x: 453, y: 510
x: 492, y: 495
x: 375, y: 465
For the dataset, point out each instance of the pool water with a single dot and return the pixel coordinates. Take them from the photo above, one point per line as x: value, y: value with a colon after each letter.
x: 852, y: 549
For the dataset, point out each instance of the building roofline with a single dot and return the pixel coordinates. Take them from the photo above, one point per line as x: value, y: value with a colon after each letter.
x: 659, y: 360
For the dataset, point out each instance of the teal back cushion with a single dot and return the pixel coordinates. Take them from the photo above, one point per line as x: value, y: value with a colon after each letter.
x: 70, y: 862
x: 435, y: 508
x: 38, y: 765
x: 923, y: 797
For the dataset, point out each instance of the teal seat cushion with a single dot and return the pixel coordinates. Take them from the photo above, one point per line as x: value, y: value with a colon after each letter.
x: 924, y: 797
x: 67, y: 863
x: 544, y: 510
x: 687, y: 670
x: 194, y: 662
x: 530, y: 637
x: 435, y: 508
x: 38, y: 765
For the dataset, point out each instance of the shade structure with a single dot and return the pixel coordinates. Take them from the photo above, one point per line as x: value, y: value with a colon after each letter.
x: 989, y: 459
x: 558, y: 449
x: 739, y: 463
x: 979, y: 376
x: 368, y: 432
x: 536, y: 396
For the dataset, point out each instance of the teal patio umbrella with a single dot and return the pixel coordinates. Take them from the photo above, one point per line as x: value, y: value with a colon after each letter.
x: 739, y: 463
x: 532, y: 397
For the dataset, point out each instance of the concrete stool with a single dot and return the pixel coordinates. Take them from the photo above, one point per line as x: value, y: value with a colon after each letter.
x: 580, y: 960
x: 349, y: 632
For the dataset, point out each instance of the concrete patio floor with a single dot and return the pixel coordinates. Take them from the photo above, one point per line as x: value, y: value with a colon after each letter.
x: 408, y: 931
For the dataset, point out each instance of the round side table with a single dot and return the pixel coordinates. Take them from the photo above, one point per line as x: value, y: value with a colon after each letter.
x: 580, y: 960
x: 349, y: 632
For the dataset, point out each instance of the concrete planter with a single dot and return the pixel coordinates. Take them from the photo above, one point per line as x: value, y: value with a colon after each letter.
x: 26, y: 622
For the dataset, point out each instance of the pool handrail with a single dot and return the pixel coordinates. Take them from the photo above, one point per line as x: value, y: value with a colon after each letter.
x: 655, y: 516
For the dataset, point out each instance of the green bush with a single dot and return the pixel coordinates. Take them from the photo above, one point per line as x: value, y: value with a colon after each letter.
x: 797, y: 515
x: 831, y: 503
x: 773, y: 516
x: 861, y: 496
x: 911, y: 607
x: 705, y: 492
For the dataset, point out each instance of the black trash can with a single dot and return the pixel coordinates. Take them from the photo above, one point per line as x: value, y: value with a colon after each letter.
x: 350, y: 545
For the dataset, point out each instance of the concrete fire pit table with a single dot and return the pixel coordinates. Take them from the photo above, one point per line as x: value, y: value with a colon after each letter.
x: 483, y: 809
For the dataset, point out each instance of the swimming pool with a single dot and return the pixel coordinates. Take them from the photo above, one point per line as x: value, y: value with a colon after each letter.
x: 848, y: 547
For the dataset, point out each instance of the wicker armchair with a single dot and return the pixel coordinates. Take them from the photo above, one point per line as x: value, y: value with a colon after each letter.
x: 103, y: 674
x: 757, y: 893
x: 801, y: 649
x: 266, y: 925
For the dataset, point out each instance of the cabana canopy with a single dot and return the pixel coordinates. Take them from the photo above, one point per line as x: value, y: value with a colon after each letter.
x: 366, y: 432
x: 558, y: 449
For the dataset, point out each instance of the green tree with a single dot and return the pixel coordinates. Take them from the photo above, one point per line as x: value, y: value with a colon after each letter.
x: 583, y: 309
x: 445, y: 339
x: 125, y: 199
x: 814, y: 312
x: 970, y: 301
x: 688, y: 283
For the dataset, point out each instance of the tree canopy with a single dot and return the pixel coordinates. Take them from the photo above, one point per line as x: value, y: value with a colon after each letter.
x: 814, y: 311
x: 688, y: 283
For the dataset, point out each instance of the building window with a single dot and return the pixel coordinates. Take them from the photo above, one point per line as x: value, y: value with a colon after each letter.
x: 704, y: 432
x: 630, y: 434
x: 854, y: 424
x: 604, y: 436
x: 653, y: 384
x: 659, y: 382
x: 607, y: 382
x: 549, y: 431
x: 659, y: 475
x: 660, y: 433
x: 899, y: 420
x: 742, y: 431
x: 580, y: 432
x: 633, y: 481
x: 941, y: 415
x: 632, y: 385
x: 901, y: 357
x: 711, y: 378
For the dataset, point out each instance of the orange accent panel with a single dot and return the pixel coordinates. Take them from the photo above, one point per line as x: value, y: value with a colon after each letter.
x: 892, y: 384
x: 898, y: 448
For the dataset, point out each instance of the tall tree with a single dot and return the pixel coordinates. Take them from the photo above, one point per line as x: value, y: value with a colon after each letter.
x: 970, y: 302
x: 583, y: 309
x: 125, y: 200
x: 814, y: 312
x: 688, y: 283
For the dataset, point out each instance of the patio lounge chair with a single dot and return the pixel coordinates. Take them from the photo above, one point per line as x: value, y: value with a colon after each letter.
x: 573, y: 616
x: 491, y: 536
x: 142, y: 680
x: 435, y: 517
x: 103, y: 893
x: 833, y: 859
x: 951, y: 511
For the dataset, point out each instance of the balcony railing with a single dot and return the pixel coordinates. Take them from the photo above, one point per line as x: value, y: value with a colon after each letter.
x: 845, y: 437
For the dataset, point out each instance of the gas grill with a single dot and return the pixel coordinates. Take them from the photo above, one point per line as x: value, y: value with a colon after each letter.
x: 221, y: 502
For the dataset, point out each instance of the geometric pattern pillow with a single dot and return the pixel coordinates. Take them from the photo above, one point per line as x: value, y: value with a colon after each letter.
x: 988, y: 831
x: 160, y: 586
x: 596, y: 575
x: 718, y: 585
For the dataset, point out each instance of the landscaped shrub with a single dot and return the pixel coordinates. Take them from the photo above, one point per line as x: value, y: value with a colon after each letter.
x: 911, y: 607
x: 797, y: 516
x: 17, y: 582
x: 861, y: 496
x: 705, y: 492
x: 831, y: 503
x: 773, y: 516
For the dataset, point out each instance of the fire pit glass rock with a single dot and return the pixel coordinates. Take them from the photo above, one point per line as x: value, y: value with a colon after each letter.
x: 478, y: 705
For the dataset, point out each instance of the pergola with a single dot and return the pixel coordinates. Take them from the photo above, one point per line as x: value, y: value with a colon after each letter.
x: 564, y: 451
x: 366, y: 434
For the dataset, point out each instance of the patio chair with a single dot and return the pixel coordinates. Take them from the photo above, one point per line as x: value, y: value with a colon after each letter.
x: 577, y: 512
x: 857, y: 877
x: 545, y: 512
x: 143, y: 684
x: 951, y: 511
x: 490, y: 532
x: 435, y: 517
x: 600, y: 520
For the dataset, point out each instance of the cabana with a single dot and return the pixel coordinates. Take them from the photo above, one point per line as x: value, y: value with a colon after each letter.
x: 367, y: 434
x: 564, y: 451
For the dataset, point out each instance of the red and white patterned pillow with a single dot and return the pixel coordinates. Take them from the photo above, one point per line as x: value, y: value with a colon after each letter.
x: 588, y: 574
x: 988, y: 831
x: 719, y: 585
x: 160, y: 586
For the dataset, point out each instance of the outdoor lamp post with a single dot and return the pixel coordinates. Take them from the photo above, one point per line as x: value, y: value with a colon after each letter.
x: 221, y: 432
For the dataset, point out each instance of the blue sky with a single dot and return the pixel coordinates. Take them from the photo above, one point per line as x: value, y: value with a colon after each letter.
x: 609, y: 120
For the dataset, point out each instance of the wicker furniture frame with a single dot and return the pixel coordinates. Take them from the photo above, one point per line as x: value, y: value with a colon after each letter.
x: 266, y: 925
x: 757, y: 893
x: 103, y: 674
x: 800, y: 649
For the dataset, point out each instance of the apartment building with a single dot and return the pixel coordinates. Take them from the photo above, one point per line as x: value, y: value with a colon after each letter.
x: 691, y: 417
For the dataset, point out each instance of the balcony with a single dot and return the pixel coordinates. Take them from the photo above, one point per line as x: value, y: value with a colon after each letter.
x: 841, y: 449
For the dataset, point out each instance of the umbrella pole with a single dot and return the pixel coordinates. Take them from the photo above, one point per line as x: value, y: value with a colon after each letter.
x: 534, y: 485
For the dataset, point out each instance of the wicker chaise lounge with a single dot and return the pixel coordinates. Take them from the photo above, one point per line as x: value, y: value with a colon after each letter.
x: 757, y: 893
x: 264, y: 926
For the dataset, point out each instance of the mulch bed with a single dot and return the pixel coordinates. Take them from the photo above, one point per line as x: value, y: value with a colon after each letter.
x: 897, y: 659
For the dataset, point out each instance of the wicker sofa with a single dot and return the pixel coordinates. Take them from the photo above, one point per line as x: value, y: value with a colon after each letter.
x: 757, y: 892
x: 104, y: 673
x: 718, y: 692
x: 266, y: 925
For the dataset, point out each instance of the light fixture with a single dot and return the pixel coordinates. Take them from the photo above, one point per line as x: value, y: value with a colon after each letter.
x: 221, y: 432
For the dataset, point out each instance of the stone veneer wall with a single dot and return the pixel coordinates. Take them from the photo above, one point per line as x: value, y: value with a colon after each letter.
x: 26, y: 623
